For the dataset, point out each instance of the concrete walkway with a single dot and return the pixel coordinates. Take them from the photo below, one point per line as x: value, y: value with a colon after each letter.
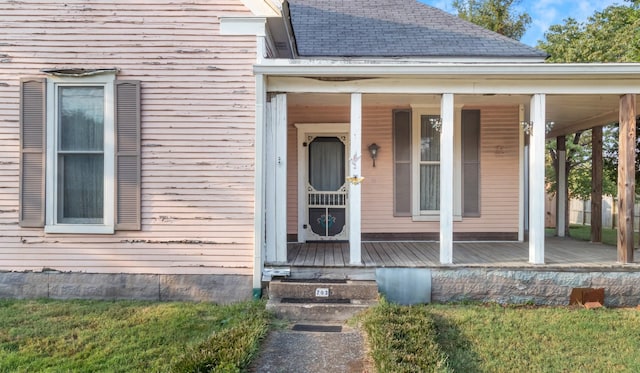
x: 289, y: 351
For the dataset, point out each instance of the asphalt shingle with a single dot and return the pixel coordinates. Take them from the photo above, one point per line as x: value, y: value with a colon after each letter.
x: 393, y: 28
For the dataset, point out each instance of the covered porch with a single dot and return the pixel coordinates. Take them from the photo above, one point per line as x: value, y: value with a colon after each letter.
x: 512, y: 147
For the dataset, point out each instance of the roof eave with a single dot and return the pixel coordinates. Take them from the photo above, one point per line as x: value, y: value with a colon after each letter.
x: 382, y: 68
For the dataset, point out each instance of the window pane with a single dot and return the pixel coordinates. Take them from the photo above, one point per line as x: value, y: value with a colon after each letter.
x: 429, y: 139
x: 430, y: 187
x: 326, y: 163
x: 80, y: 188
x: 81, y: 118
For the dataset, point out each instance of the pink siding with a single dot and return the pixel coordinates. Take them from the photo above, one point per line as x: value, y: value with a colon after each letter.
x: 499, y: 171
x: 198, y: 120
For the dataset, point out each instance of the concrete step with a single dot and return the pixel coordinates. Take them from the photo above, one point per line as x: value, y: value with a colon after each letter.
x: 320, y: 300
x: 323, y: 289
x: 312, y: 311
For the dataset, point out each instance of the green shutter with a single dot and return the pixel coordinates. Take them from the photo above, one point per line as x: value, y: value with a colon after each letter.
x: 471, y: 163
x: 32, y: 151
x: 127, y: 182
x: 402, y: 162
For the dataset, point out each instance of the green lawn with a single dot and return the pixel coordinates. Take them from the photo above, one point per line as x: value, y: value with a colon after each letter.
x: 494, y: 338
x: 583, y: 233
x: 124, y: 336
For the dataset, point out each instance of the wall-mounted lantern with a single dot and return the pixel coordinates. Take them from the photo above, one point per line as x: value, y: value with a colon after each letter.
x: 373, y: 151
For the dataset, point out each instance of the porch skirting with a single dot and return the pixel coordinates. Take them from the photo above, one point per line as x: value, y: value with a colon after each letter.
x: 69, y: 285
x: 521, y: 286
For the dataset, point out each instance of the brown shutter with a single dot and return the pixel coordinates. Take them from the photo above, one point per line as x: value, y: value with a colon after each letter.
x: 127, y: 122
x: 471, y: 163
x: 32, y: 151
x: 402, y: 162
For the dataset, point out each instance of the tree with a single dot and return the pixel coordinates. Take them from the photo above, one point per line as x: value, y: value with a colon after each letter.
x: 611, y: 35
x: 495, y: 15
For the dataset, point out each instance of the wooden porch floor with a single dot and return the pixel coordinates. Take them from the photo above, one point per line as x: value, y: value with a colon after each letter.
x: 559, y: 252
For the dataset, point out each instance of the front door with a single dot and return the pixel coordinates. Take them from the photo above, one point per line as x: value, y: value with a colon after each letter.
x: 326, y: 188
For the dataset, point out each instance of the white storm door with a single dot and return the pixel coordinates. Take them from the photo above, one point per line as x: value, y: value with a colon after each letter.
x: 326, y: 190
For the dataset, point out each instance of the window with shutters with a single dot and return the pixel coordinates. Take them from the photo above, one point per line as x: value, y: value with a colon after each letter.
x: 416, y: 142
x: 80, y: 154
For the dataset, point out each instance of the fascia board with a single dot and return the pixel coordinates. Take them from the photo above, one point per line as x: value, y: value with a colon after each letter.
x: 243, y: 26
x: 262, y: 8
x: 531, y: 70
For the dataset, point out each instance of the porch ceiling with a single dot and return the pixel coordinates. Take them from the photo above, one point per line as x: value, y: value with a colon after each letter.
x: 570, y: 113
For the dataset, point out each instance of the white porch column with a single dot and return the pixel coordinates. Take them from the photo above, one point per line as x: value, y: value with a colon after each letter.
x: 355, y: 163
x: 521, y: 176
x: 536, y: 179
x: 281, y: 178
x: 446, y: 179
x: 561, y: 211
x: 276, y: 179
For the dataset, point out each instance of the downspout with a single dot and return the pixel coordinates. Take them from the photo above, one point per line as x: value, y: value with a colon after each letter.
x: 259, y: 230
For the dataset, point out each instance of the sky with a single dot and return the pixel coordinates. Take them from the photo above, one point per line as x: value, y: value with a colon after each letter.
x: 544, y: 13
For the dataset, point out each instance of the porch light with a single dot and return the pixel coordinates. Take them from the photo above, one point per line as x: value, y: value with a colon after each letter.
x: 373, y: 151
x: 436, y: 123
x: 549, y: 126
x: 527, y: 126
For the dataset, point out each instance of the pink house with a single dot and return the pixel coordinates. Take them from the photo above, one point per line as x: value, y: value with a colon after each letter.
x: 192, y: 150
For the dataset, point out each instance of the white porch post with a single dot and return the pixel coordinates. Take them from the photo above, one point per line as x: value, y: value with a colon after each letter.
x: 561, y: 211
x: 446, y: 179
x: 355, y: 163
x: 276, y: 179
x: 281, y: 177
x: 536, y: 180
x: 521, y: 176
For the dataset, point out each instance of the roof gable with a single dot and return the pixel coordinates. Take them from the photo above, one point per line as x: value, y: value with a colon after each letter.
x: 393, y: 28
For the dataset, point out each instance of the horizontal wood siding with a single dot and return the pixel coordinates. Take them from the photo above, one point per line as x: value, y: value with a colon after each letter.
x: 198, y: 103
x: 498, y: 167
x: 499, y: 185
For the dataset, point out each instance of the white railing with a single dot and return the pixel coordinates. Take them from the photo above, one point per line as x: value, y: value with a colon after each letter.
x: 327, y: 199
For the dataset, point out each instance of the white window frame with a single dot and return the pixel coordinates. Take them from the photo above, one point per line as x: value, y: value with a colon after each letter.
x: 105, y: 80
x: 434, y: 215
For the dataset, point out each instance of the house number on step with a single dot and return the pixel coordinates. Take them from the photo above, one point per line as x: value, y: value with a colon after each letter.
x: 322, y: 292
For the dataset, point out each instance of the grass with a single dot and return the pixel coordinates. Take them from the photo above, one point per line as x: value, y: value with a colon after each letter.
x: 583, y: 233
x: 403, y: 339
x: 126, y: 336
x: 495, y: 338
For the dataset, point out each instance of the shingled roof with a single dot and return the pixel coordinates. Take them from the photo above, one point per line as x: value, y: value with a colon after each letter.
x: 393, y: 28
